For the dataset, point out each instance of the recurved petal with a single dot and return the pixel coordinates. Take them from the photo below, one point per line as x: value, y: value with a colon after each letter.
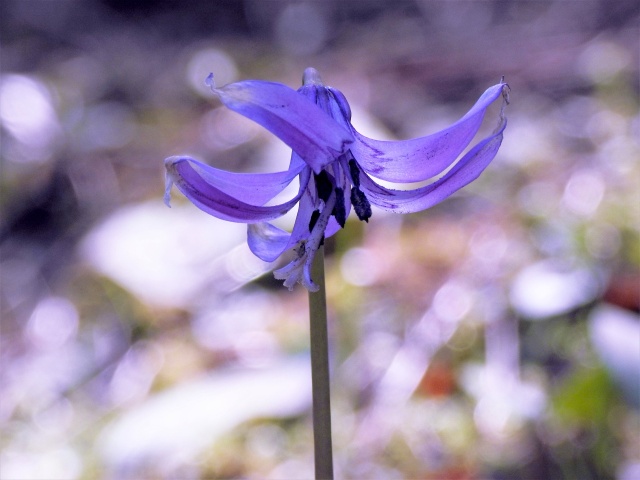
x: 253, y: 188
x: 292, y: 117
x: 421, y: 158
x: 202, y: 187
x: 463, y: 173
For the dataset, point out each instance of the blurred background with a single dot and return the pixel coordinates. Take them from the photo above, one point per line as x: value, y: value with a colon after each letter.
x: 495, y: 336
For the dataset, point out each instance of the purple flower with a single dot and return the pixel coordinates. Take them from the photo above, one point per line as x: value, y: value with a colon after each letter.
x: 336, y: 167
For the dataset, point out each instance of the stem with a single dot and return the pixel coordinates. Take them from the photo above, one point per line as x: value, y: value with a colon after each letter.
x: 320, y: 372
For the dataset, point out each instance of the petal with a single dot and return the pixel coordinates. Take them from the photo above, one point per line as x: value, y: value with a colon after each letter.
x: 187, y: 175
x: 332, y: 226
x: 422, y: 158
x: 464, y: 172
x: 253, y: 188
x: 268, y: 242
x: 292, y: 117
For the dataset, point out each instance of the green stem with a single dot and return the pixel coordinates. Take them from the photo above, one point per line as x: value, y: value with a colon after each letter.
x: 320, y: 372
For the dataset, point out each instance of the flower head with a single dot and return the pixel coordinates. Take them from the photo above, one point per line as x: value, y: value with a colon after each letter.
x: 336, y: 167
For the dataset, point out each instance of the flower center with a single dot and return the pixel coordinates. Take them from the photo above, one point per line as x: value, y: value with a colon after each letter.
x: 326, y: 189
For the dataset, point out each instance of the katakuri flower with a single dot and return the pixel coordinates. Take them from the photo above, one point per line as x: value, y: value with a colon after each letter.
x: 336, y: 167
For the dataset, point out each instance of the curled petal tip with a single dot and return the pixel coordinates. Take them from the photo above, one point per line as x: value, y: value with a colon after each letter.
x: 298, y: 271
x: 505, y: 89
x: 168, y: 183
x: 505, y: 92
x: 169, y: 163
x: 210, y: 82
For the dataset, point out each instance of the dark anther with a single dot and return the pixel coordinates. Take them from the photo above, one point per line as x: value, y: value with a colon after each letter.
x: 355, y: 173
x: 338, y: 210
x: 314, y: 218
x: 324, y: 185
x: 360, y: 204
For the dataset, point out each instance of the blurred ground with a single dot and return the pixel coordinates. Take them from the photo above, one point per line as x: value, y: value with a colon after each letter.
x: 494, y: 336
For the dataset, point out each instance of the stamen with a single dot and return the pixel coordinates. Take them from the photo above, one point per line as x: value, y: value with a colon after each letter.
x: 354, y: 170
x: 339, y: 211
x: 324, y: 185
x: 314, y: 218
x: 360, y: 204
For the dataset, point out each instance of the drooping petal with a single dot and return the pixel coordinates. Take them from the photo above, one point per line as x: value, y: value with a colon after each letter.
x: 421, y: 158
x: 463, y: 173
x: 187, y: 176
x: 292, y: 117
x: 253, y: 188
x: 268, y: 242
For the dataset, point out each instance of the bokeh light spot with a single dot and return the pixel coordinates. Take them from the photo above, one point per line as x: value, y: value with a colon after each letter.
x: 584, y: 192
x: 43, y: 464
x: 135, y: 372
x: 360, y: 267
x: 53, y: 323
x: 108, y: 125
x: 27, y: 113
x: 550, y: 288
x: 163, y: 255
x: 221, y: 129
x: 603, y: 60
x: 452, y: 301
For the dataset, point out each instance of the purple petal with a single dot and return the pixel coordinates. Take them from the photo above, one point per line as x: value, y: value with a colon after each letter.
x: 292, y: 117
x: 201, y: 189
x: 422, y: 158
x: 253, y: 188
x: 333, y: 226
x: 268, y: 242
x: 463, y: 173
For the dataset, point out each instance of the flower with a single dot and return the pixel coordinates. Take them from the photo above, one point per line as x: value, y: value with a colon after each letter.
x: 336, y: 167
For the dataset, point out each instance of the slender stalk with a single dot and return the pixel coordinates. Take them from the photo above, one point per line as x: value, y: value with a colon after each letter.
x: 320, y: 373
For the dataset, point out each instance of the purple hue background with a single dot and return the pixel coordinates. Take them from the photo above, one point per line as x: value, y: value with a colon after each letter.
x: 493, y: 336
